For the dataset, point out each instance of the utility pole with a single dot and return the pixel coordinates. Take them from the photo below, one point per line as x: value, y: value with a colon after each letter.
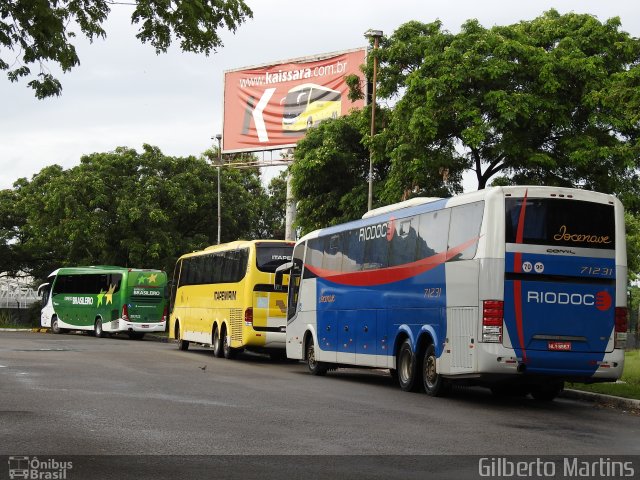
x: 375, y: 34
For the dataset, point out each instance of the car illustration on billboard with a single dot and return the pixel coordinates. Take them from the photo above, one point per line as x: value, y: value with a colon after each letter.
x: 307, y: 105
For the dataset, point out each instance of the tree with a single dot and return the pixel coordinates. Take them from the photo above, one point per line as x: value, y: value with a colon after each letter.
x: 542, y: 101
x: 125, y: 208
x: 330, y: 170
x: 39, y: 31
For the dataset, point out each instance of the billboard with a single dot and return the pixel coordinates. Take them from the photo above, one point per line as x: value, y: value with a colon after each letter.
x: 272, y: 106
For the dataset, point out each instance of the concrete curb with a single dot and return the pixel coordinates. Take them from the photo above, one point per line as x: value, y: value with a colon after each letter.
x: 34, y: 330
x: 602, y: 399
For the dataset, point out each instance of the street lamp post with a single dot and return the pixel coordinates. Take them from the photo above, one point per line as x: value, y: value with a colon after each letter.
x: 375, y: 34
x: 219, y: 139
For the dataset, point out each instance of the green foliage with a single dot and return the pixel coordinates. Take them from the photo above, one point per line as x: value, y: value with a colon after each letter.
x: 125, y: 208
x: 539, y: 101
x: 627, y: 387
x: 40, y: 31
x: 330, y: 172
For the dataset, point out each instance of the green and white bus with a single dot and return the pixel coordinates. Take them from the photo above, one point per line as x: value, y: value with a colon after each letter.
x: 105, y: 299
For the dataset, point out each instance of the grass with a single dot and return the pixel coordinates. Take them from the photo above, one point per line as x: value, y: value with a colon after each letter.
x: 628, y: 386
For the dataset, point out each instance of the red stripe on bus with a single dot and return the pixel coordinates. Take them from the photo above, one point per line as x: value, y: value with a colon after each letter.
x: 517, y: 286
x: 382, y: 276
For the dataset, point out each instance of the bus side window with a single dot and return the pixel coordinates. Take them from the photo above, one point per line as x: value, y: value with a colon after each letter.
x: 353, y: 253
x: 315, y: 253
x: 332, y: 257
x: 433, y: 232
x: 403, y: 242
x: 465, y: 225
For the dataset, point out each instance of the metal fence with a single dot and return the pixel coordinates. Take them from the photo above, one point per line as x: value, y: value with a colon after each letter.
x: 17, y: 292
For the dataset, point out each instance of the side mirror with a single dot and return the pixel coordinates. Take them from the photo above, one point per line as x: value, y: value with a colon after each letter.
x: 41, y: 288
x: 280, y: 272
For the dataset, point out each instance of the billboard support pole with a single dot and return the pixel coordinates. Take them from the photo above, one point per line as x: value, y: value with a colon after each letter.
x: 219, y: 139
x: 375, y: 34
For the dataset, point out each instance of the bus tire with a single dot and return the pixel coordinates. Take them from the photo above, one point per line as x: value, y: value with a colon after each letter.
x: 315, y: 367
x: 433, y: 383
x: 546, y: 393
x: 228, y: 352
x: 98, y: 332
x: 216, y: 343
x: 406, y: 367
x: 182, y: 344
x: 55, y: 326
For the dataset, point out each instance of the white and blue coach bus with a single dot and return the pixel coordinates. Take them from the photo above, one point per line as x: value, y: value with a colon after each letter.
x: 515, y: 288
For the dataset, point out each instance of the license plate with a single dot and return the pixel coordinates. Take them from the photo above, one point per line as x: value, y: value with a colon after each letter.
x: 144, y: 326
x: 560, y: 346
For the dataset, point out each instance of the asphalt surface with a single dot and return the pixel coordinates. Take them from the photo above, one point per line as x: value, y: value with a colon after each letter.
x: 78, y: 395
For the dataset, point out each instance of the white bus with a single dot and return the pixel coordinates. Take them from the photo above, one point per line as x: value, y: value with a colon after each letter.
x: 515, y: 288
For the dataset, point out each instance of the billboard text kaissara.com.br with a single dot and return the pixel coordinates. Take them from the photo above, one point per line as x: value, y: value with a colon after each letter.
x: 272, y: 106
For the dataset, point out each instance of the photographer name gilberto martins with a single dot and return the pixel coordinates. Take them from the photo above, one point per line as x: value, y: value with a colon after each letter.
x: 567, y: 467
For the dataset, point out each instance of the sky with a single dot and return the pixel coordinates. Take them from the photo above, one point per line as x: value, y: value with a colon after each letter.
x: 123, y: 94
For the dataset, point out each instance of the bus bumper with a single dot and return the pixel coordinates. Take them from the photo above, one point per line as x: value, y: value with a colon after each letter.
x: 126, y: 326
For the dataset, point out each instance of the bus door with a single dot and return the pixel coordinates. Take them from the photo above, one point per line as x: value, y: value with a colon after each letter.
x: 559, y: 297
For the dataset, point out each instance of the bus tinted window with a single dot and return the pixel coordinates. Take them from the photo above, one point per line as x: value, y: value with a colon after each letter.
x: 465, y: 226
x: 87, y: 283
x: 353, y: 254
x: 561, y: 222
x: 315, y: 249
x: 433, y: 232
x: 332, y: 259
x: 404, y: 241
x: 268, y: 258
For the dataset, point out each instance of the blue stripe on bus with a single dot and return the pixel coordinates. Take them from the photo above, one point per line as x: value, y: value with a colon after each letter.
x: 366, y: 319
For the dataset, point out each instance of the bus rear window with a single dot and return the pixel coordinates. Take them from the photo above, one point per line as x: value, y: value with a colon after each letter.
x: 271, y: 256
x: 561, y: 222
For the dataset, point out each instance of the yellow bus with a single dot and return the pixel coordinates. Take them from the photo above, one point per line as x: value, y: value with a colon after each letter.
x: 307, y: 105
x: 224, y: 297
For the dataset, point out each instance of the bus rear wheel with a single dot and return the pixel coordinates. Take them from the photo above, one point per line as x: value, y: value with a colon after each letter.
x: 315, y: 367
x: 406, y: 367
x: 229, y: 353
x: 434, y: 384
x: 218, y: 350
x: 182, y: 344
x: 97, y: 329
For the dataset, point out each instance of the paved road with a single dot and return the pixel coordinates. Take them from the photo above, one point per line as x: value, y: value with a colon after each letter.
x: 79, y: 395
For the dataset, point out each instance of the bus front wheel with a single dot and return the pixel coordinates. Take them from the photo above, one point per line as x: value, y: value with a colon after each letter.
x: 434, y: 384
x: 218, y: 350
x: 55, y: 326
x: 406, y: 367
x: 315, y: 367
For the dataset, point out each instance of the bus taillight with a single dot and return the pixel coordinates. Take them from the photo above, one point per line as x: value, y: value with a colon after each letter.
x: 165, y: 313
x: 621, y: 327
x: 248, y: 317
x: 492, y: 320
x: 125, y: 313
